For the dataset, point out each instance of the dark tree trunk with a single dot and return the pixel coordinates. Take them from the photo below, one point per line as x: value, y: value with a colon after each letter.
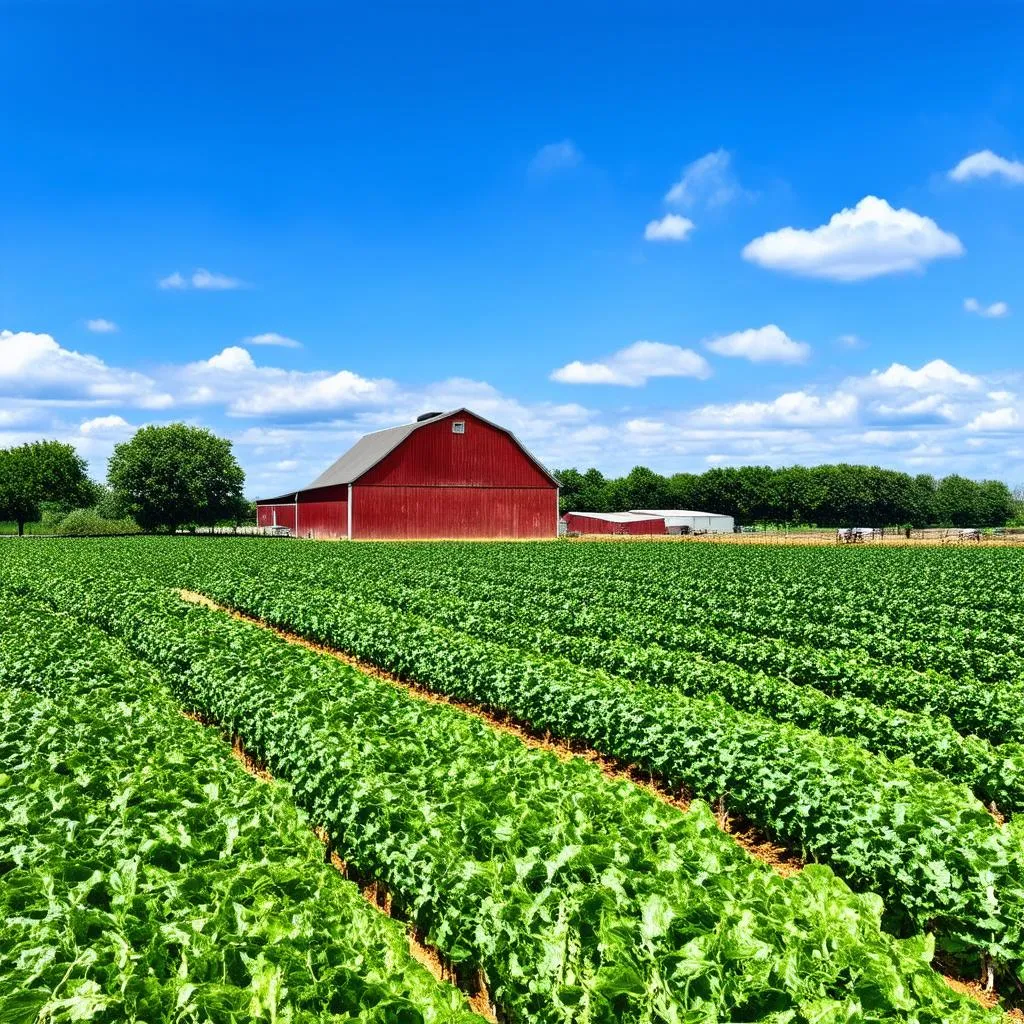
x: 21, y: 527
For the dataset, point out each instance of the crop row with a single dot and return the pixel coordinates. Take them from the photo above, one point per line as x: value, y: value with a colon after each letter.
x: 926, y: 846
x: 993, y: 712
x: 581, y: 899
x: 145, y: 877
x: 980, y: 645
x: 547, y: 626
x: 995, y: 774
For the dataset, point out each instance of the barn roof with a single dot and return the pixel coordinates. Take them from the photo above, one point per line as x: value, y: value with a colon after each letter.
x: 372, y: 448
x: 616, y: 517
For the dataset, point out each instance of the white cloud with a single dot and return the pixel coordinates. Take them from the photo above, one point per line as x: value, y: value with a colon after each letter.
x: 937, y: 375
x: 634, y: 365
x: 867, y: 241
x: 986, y: 164
x: 995, y: 309
x: 760, y: 345
x: 233, y: 377
x: 207, y: 281
x: 272, y: 338
x: 101, y: 326
x: 707, y: 181
x: 35, y: 366
x: 106, y: 425
x: 556, y: 156
x: 201, y: 279
x: 671, y: 228
x: 645, y: 428
x: 795, y: 408
x: 850, y: 341
x: 233, y: 359
x: 995, y: 420
x: 1002, y: 396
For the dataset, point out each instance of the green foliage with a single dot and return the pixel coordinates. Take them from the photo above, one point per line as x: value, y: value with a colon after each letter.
x: 167, y: 477
x: 144, y: 877
x: 87, y: 522
x: 826, y: 695
x: 580, y: 899
x: 831, y: 495
x: 39, y: 472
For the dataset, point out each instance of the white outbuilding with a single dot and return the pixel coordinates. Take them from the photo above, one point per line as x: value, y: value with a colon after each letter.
x: 679, y: 520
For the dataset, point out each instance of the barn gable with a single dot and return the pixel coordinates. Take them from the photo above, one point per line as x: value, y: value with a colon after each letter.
x: 370, y: 459
x: 440, y: 453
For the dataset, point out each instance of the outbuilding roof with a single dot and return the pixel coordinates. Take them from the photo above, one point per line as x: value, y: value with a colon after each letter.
x: 372, y: 448
x: 669, y: 513
x: 616, y: 517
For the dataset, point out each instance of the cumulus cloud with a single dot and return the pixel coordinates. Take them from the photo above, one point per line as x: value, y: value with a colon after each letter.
x: 272, y: 338
x: 634, y: 365
x: 794, y: 408
x: 671, y: 228
x: 937, y: 375
x: 105, y: 425
x: 36, y: 366
x: 867, y: 241
x: 233, y: 377
x: 986, y: 164
x: 850, y: 341
x: 768, y: 344
x: 556, y: 156
x: 995, y: 420
x: 201, y: 279
x: 993, y: 310
x: 708, y: 181
x: 101, y: 326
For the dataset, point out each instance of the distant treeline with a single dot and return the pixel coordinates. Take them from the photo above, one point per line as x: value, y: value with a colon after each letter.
x: 832, y: 495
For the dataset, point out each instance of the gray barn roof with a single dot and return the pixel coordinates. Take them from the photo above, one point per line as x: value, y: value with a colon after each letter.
x: 364, y: 455
x: 371, y: 448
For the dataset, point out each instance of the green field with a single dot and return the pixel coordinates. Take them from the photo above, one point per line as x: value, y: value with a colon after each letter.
x: 861, y: 709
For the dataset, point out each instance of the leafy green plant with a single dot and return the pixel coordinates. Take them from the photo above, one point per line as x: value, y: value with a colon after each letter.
x: 145, y: 877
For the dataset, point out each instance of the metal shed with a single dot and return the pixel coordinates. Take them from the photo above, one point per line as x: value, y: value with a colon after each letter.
x: 631, y: 523
x: 679, y: 520
x: 447, y: 475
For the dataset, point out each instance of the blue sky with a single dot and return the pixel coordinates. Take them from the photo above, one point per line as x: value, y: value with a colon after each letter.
x: 495, y: 207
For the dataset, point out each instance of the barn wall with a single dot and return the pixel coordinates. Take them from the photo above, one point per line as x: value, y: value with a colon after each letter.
x: 423, y: 513
x: 586, y: 524
x: 433, y: 456
x: 323, y: 520
x: 285, y: 516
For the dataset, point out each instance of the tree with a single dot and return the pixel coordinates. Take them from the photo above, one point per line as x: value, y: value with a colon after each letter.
x: 38, y: 472
x: 166, y: 477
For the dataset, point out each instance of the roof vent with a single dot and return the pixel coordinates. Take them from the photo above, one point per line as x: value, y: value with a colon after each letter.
x: 427, y: 416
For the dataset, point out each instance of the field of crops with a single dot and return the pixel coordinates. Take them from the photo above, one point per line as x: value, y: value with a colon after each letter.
x: 798, y: 795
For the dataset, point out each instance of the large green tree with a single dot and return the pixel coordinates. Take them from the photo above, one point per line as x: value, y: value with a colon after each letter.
x: 39, y: 472
x: 167, y: 477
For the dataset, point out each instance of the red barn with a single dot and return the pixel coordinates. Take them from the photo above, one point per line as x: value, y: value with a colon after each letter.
x: 633, y: 523
x: 448, y: 475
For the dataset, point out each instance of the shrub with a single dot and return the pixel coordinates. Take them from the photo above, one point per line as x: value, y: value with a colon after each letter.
x: 86, y: 522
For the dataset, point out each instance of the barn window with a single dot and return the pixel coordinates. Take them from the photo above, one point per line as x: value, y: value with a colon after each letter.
x: 459, y: 427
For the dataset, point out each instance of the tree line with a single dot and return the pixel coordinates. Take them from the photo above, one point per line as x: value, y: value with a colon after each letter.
x: 161, y: 479
x: 829, y: 495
